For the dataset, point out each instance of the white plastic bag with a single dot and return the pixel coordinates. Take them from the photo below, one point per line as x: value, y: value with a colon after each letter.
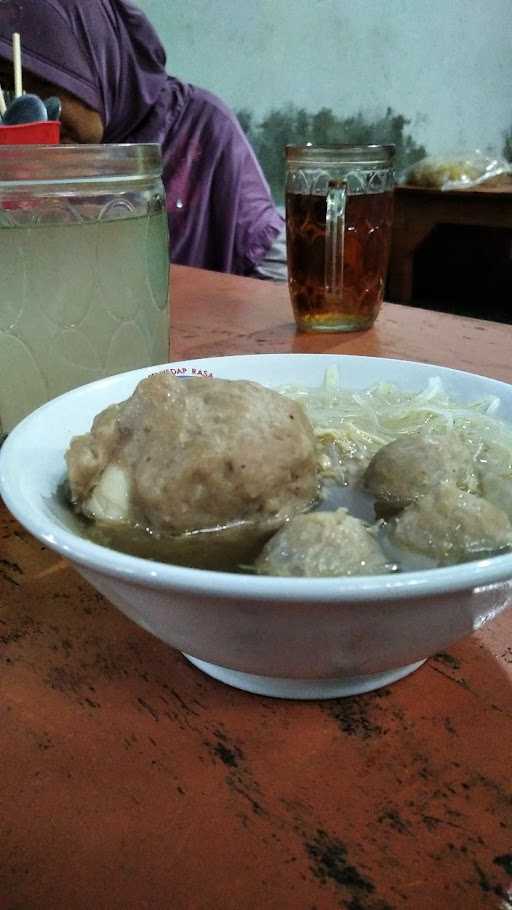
x: 455, y: 172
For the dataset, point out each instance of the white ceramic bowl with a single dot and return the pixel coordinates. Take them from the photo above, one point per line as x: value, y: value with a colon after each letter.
x: 297, y: 638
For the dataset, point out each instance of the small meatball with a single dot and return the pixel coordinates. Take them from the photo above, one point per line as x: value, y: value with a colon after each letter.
x: 322, y: 544
x: 492, y: 454
x: 413, y: 464
x: 451, y: 526
x: 497, y: 489
x: 183, y: 455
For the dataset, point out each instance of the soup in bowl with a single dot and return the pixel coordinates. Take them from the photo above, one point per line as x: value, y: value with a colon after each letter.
x: 381, y: 578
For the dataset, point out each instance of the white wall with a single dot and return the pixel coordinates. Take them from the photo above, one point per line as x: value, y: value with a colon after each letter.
x: 445, y: 64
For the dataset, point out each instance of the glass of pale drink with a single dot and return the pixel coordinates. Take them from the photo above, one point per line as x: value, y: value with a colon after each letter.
x: 84, y: 268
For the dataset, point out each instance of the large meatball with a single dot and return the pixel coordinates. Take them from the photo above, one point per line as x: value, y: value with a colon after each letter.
x: 322, y: 544
x: 186, y: 454
x: 451, y: 526
x: 413, y: 464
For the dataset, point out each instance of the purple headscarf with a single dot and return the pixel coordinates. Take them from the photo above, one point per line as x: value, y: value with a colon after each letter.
x: 107, y: 54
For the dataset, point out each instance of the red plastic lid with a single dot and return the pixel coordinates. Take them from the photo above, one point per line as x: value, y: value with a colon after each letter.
x: 46, y: 132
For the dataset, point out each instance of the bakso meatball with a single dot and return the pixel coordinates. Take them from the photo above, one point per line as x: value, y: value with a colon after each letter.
x: 494, y: 464
x: 322, y: 544
x: 497, y: 488
x: 451, y: 526
x: 414, y: 463
x: 195, y: 453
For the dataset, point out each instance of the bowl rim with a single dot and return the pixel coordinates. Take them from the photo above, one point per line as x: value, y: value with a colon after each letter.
x: 483, y: 573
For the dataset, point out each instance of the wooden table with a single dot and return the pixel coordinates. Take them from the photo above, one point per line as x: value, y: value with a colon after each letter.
x: 418, y: 211
x: 129, y: 780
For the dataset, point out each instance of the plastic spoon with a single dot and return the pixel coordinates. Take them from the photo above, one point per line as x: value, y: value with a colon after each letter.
x: 25, y: 109
x: 53, y: 107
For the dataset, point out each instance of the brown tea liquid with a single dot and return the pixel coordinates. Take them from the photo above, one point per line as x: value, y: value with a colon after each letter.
x: 368, y: 220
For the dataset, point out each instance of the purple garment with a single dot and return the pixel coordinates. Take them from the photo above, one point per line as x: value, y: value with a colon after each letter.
x: 107, y: 54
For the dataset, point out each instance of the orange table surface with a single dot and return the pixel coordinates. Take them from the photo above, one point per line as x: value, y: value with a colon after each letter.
x: 128, y: 779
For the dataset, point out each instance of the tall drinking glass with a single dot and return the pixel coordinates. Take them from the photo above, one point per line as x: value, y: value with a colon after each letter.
x: 84, y: 268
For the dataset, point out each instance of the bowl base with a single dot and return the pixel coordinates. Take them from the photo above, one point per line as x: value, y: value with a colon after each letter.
x: 278, y: 687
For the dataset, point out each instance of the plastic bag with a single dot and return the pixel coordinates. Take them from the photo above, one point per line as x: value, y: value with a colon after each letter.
x: 456, y: 172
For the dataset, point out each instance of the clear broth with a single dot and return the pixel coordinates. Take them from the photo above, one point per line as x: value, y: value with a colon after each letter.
x: 236, y: 547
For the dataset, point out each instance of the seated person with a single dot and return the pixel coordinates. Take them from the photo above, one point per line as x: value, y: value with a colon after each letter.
x: 104, y: 60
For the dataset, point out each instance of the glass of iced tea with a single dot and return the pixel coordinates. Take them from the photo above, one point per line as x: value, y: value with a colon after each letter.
x: 339, y: 210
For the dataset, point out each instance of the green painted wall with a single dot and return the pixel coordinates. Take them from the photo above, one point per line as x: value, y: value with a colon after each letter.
x: 435, y: 74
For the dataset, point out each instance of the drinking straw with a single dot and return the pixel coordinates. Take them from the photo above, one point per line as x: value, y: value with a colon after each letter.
x: 16, y: 58
x: 3, y: 106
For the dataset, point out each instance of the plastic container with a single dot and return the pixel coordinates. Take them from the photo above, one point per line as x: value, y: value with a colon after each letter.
x: 45, y: 132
